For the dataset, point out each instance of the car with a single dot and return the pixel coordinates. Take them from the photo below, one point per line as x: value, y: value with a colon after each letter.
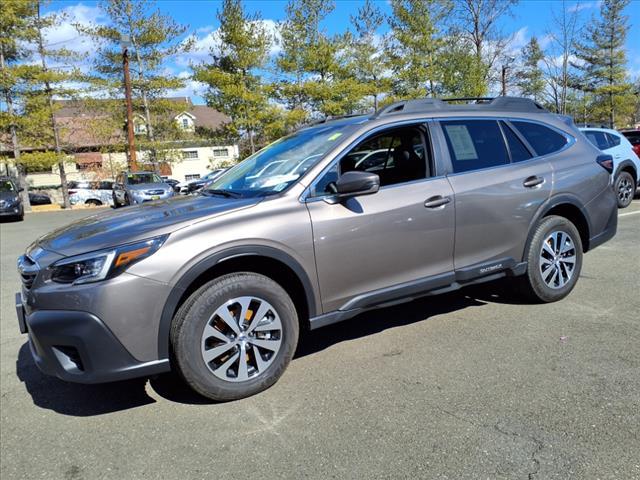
x: 91, y: 193
x: 220, y: 286
x: 39, y: 199
x: 626, y: 164
x: 196, y: 185
x: 10, y: 201
x: 172, y: 182
x: 131, y: 188
x: 634, y: 139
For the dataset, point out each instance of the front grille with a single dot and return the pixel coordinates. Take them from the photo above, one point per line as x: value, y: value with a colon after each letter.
x: 28, y: 270
x: 154, y: 192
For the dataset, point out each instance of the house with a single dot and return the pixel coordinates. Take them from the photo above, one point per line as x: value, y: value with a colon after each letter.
x: 96, y: 140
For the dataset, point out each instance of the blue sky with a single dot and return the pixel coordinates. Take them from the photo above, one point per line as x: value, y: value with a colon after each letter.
x: 530, y: 17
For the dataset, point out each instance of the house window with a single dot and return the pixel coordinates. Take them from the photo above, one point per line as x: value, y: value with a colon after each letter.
x: 185, y: 123
x: 186, y: 154
x: 191, y: 176
x: 220, y: 152
x: 139, y: 128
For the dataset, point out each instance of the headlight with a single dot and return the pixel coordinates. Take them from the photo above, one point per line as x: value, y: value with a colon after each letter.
x: 96, y: 266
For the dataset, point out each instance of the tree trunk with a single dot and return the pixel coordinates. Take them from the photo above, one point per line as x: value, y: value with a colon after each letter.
x: 22, y: 176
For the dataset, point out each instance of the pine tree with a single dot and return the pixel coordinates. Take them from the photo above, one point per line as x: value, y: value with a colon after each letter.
x: 154, y: 37
x: 415, y: 46
x: 531, y: 77
x: 604, y: 61
x: 234, y: 87
x: 366, y: 63
x: 17, y: 32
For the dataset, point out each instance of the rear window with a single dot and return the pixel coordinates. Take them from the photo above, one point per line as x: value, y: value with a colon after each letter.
x: 614, y: 140
x: 633, y: 137
x: 474, y: 144
x: 544, y: 140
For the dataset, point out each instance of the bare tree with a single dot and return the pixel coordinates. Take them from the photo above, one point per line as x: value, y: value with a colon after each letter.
x: 563, y: 36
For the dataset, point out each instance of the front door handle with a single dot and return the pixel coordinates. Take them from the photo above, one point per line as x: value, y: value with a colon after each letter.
x: 436, y: 201
x: 533, y: 181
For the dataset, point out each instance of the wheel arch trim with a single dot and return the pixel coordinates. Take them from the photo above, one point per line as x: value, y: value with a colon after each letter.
x: 547, y: 206
x: 215, y: 259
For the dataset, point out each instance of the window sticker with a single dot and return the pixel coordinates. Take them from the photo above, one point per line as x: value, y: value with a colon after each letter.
x: 334, y: 136
x: 463, y: 147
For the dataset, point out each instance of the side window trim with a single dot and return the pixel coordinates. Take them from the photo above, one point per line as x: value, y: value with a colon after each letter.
x: 420, y: 124
x: 504, y: 123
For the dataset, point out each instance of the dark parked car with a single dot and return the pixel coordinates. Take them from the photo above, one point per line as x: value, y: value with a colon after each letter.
x: 219, y: 286
x: 39, y: 199
x: 173, y: 183
x: 10, y: 201
x: 634, y: 139
x: 196, y: 185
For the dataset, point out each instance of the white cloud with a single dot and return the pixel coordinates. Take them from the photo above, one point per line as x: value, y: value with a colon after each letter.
x: 190, y: 89
x: 581, y: 5
x: 67, y: 36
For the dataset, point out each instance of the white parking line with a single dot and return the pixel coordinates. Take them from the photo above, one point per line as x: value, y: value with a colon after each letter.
x: 628, y: 213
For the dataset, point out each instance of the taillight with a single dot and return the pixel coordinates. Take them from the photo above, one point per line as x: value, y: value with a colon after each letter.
x: 606, y: 162
x: 636, y: 148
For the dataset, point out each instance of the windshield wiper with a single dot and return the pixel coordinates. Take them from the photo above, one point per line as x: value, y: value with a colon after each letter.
x: 223, y: 193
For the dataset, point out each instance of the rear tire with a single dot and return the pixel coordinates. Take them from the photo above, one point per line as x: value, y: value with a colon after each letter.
x: 217, y: 336
x: 625, y: 188
x: 554, y: 261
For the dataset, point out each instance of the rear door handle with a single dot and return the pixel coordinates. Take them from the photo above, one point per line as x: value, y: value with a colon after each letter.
x: 436, y: 201
x: 533, y: 181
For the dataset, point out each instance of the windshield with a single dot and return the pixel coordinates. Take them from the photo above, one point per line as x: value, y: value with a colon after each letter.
x: 278, y: 165
x: 6, y: 186
x: 139, y: 178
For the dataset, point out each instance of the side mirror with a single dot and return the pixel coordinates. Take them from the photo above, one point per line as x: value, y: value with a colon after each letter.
x: 352, y: 184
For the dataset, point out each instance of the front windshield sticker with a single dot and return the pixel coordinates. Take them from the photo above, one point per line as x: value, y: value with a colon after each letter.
x: 280, y: 187
x: 334, y: 136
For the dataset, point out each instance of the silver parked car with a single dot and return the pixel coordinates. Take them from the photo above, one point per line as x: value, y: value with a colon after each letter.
x: 219, y: 286
x: 138, y: 187
x: 91, y: 193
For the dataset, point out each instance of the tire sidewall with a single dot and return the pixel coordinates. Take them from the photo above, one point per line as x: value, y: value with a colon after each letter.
x: 199, y: 309
x: 536, y: 283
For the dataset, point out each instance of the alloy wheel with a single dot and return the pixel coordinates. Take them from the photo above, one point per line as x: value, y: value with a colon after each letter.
x: 241, y: 339
x: 625, y: 189
x: 557, y: 259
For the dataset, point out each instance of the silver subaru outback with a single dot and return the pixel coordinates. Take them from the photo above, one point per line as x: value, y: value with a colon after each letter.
x: 220, y: 286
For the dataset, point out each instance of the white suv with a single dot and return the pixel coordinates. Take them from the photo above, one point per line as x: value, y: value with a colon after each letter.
x: 626, y: 164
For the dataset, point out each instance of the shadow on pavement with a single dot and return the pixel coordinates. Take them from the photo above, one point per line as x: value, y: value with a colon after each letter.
x: 89, y: 400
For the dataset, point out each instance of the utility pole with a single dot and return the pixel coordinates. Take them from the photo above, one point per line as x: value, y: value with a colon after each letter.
x: 125, y: 43
x: 503, y: 77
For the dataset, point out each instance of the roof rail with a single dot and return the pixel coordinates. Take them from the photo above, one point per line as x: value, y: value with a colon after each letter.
x: 510, y: 104
x: 329, y: 118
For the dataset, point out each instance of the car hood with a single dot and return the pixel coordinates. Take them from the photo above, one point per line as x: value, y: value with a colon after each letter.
x: 6, y: 196
x: 150, y: 186
x: 136, y: 223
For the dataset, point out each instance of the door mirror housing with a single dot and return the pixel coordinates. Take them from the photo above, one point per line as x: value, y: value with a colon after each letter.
x: 356, y: 183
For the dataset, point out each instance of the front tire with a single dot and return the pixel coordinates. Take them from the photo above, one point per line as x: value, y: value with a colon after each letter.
x: 235, y: 336
x: 625, y: 188
x: 554, y: 261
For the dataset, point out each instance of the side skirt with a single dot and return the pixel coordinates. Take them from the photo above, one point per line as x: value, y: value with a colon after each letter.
x: 435, y: 285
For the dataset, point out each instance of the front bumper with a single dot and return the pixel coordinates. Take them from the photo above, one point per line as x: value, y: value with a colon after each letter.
x: 137, y: 199
x: 10, y: 211
x: 77, y: 346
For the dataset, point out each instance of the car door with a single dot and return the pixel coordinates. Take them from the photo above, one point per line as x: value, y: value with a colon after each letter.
x: 376, y: 248
x: 498, y: 185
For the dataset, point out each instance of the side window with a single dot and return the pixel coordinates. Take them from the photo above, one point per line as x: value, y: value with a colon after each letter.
x: 598, y: 139
x: 614, y: 141
x: 474, y: 144
x: 544, y: 140
x: 519, y: 152
x: 396, y: 156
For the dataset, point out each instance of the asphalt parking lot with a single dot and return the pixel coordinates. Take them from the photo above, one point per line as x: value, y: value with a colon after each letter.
x: 466, y: 385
